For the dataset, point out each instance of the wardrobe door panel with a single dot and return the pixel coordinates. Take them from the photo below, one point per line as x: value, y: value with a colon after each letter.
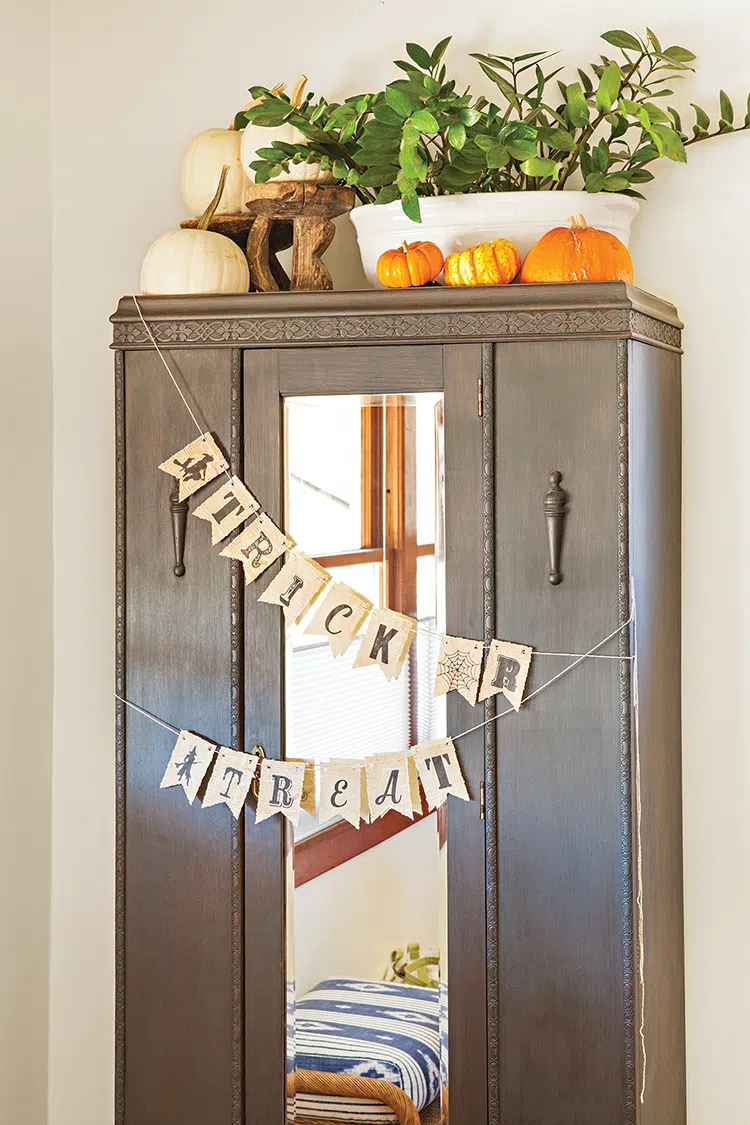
x: 560, y: 767
x: 178, y: 912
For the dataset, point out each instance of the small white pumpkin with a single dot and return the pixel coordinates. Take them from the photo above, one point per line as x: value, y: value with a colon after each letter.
x: 196, y: 260
x: 257, y: 136
x: 204, y: 159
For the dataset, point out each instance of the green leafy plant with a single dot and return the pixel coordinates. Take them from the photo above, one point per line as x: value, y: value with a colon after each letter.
x: 420, y: 136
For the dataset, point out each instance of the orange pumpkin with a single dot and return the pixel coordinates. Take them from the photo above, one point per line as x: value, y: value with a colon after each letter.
x: 577, y: 253
x: 489, y: 263
x: 414, y: 263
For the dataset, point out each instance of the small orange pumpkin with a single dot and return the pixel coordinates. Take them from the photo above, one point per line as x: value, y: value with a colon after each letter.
x: 577, y: 253
x: 489, y: 263
x: 414, y: 263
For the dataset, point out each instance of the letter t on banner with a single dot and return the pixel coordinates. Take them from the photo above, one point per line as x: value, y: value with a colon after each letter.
x: 439, y: 771
x: 230, y: 780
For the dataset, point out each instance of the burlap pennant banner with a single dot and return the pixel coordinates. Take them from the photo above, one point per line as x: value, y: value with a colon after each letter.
x: 189, y: 763
x: 297, y: 585
x: 196, y: 464
x: 308, y: 800
x: 506, y: 671
x: 226, y: 508
x: 439, y: 771
x: 230, y: 780
x: 392, y: 783
x: 386, y: 642
x: 259, y: 545
x: 281, y: 786
x: 339, y: 617
x: 459, y: 667
x: 343, y: 792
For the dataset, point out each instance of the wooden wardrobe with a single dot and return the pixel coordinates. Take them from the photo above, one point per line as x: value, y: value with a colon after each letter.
x: 547, y: 1015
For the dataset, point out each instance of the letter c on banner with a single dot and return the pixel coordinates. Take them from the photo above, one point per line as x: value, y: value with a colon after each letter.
x: 344, y: 609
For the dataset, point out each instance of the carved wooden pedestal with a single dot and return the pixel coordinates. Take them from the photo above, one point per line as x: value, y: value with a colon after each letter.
x: 280, y: 215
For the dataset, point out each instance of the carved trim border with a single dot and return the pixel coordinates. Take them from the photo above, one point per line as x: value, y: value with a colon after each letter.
x: 390, y: 327
x: 120, y: 738
x: 626, y: 869
x: 238, y: 742
x: 490, y: 739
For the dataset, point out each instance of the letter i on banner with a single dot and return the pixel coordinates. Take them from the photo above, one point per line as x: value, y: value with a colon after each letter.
x: 343, y: 791
x: 296, y: 586
x: 281, y: 785
x: 190, y: 760
x: 259, y: 545
x: 439, y: 771
x: 392, y: 784
x: 227, y: 508
x: 230, y: 779
x: 196, y: 464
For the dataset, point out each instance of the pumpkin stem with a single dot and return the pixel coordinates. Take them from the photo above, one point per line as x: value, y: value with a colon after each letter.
x: 273, y: 92
x: 405, y: 246
x: 298, y: 90
x: 577, y: 222
x: 208, y: 214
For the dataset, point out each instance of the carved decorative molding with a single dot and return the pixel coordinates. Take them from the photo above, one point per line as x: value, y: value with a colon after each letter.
x: 120, y: 688
x: 383, y: 328
x: 236, y: 631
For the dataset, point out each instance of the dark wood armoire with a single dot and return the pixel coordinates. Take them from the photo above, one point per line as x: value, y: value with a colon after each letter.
x: 549, y: 1009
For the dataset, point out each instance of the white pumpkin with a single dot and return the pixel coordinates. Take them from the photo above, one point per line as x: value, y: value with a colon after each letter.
x: 196, y: 260
x: 257, y: 136
x: 201, y: 168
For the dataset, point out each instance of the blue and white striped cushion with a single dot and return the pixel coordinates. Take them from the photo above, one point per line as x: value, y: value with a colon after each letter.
x: 372, y: 1029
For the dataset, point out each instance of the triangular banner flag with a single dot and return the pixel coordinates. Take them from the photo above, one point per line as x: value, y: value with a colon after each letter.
x: 281, y: 785
x: 191, y: 758
x: 296, y: 586
x: 505, y: 671
x: 343, y: 791
x: 459, y: 667
x: 230, y: 779
x: 308, y: 802
x: 259, y: 545
x: 227, y: 508
x: 392, y: 784
x: 439, y: 771
x: 339, y: 617
x: 196, y: 464
x: 386, y: 642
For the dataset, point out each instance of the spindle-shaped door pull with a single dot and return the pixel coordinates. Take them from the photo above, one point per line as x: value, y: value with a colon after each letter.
x: 555, y: 511
x: 179, y: 512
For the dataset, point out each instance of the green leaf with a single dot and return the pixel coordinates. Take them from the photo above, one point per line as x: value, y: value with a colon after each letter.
x: 702, y: 120
x: 675, y: 118
x: 379, y: 176
x: 600, y: 157
x: 498, y: 157
x: 521, y: 150
x: 726, y: 108
x: 615, y: 182
x: 502, y: 84
x: 267, y: 153
x: 624, y: 40
x: 419, y: 55
x: 398, y: 101
x: 410, y: 204
x: 470, y: 116
x: 609, y: 87
x: 640, y: 176
x: 595, y: 181
x: 386, y: 116
x: 559, y: 139
x: 412, y: 164
x: 540, y: 166
x: 405, y: 182
x: 269, y: 116
x: 485, y: 141
x: 340, y: 169
x: 353, y: 176
x: 439, y: 51
x: 457, y: 135
x: 747, y: 115
x: 425, y: 121
x: 653, y: 41
x: 388, y: 194
x: 679, y: 54
x: 578, y: 110
x: 669, y: 143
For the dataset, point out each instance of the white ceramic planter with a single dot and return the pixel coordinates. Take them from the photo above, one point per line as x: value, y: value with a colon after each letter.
x: 455, y: 222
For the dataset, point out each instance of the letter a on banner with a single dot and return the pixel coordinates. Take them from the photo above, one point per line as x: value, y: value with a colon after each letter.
x: 191, y: 757
x: 196, y: 464
x: 281, y: 785
x: 343, y: 791
x: 230, y: 779
x: 392, y: 783
x: 339, y: 617
x: 505, y: 671
x: 439, y: 771
x: 260, y: 544
x: 386, y: 642
x: 296, y: 586
x: 227, y: 508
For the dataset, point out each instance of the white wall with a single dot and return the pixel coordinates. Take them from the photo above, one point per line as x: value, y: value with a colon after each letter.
x: 25, y: 561
x: 131, y: 83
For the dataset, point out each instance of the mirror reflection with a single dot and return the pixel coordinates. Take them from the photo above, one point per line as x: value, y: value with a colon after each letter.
x: 366, y: 905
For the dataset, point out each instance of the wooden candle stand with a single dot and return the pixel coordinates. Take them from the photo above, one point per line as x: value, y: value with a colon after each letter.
x: 283, y: 214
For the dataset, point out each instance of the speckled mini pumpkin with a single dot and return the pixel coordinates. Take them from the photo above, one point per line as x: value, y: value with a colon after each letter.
x: 489, y: 263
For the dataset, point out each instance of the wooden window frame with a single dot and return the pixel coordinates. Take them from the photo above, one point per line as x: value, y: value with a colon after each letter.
x: 389, y: 500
